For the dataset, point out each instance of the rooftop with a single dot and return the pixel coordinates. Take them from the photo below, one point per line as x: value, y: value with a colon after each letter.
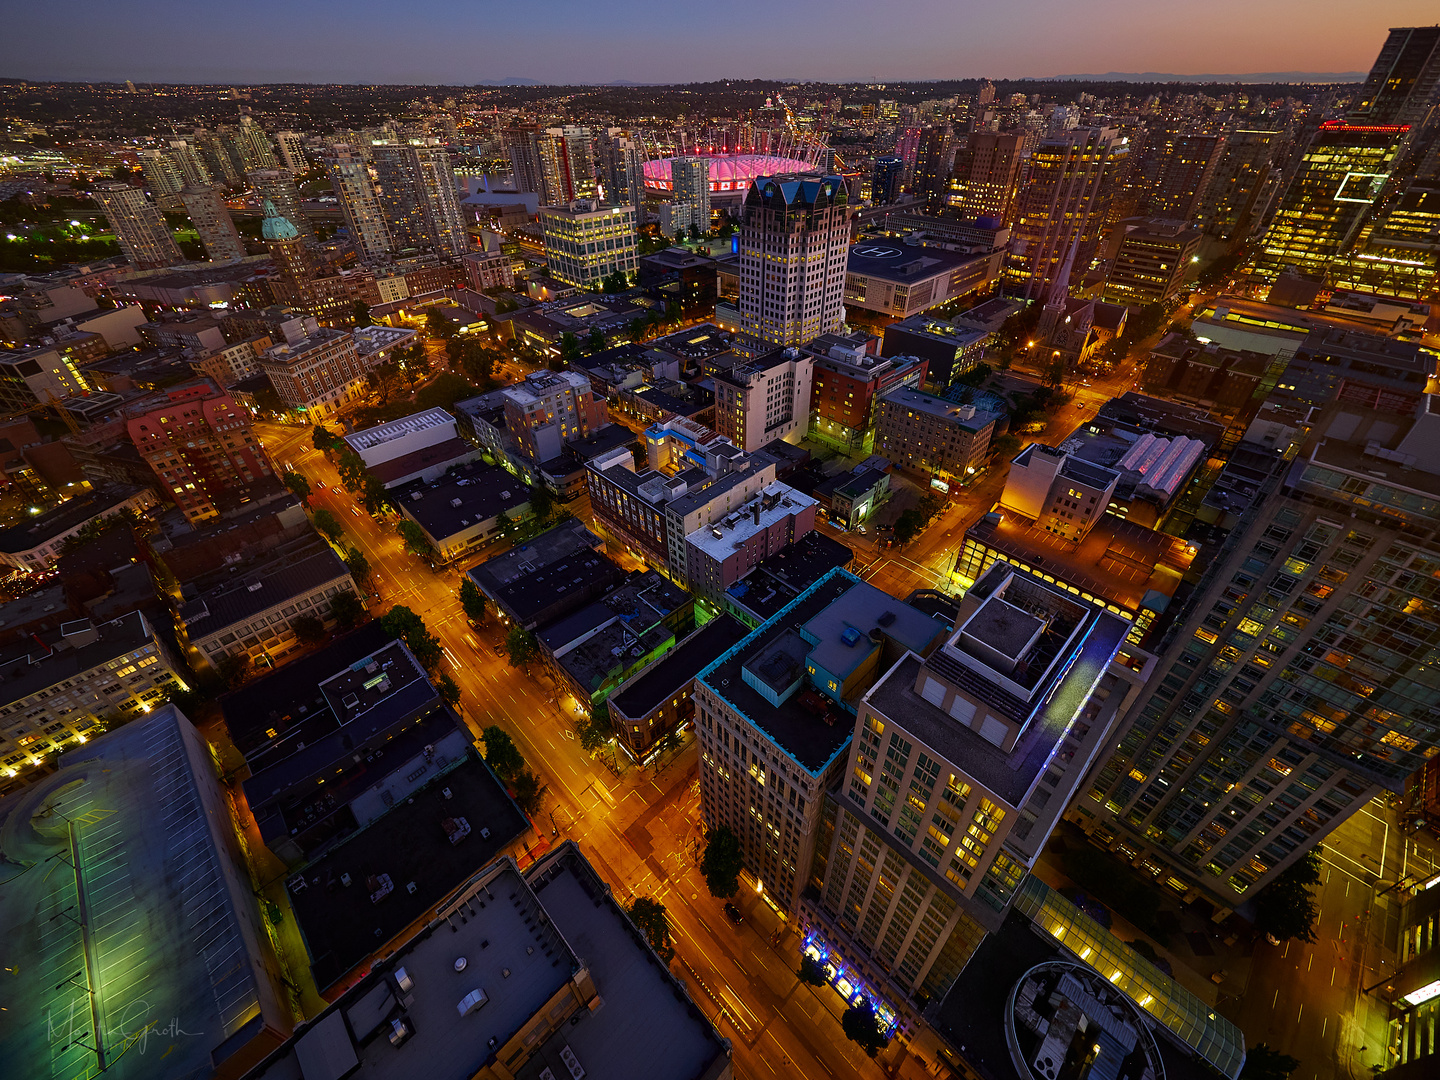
x: 399, y: 429
x: 1162, y: 417
x: 40, y: 660
x: 552, y: 545
x: 68, y: 515
x: 774, y: 504
x: 990, y: 315
x: 482, y: 491
x: 904, y: 264
x: 260, y: 589
x: 646, y: 691
x: 784, y: 576
x: 371, y: 339
x: 397, y: 469
x: 697, y: 343
x: 969, y: 417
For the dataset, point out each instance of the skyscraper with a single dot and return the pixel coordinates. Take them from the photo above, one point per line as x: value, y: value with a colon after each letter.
x: 887, y: 180
x: 162, y: 175
x: 350, y: 177
x: 690, y: 183
x: 187, y: 159
x: 1299, y: 684
x: 586, y: 242
x: 1404, y: 84
x: 933, y: 159
x: 252, y: 146
x: 212, y: 221
x: 1236, y: 198
x: 292, y: 151
x: 1179, y: 170
x: 1339, y: 181
x: 521, y: 145
x: 278, y: 186
x: 1072, y: 180
x: 567, y: 165
x: 621, y: 161
x: 987, y: 169
x: 139, y: 226
x: 794, y: 246
x: 418, y: 197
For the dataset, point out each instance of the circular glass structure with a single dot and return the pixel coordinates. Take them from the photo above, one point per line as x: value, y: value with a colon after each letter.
x: 728, y: 172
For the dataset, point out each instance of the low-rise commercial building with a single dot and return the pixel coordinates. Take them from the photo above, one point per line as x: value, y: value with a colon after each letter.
x: 846, y: 387
x: 776, y: 582
x: 316, y: 374
x: 948, y: 349
x: 416, y: 447
x: 899, y: 280
x: 464, y: 509
x: 62, y: 687
x: 37, y: 544
x: 719, y: 554
x: 1226, y: 380
x: 547, y: 577
x: 587, y: 241
x: 934, y: 437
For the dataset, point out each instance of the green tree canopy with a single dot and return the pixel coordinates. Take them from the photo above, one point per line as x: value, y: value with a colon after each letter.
x: 520, y: 644
x: 722, y: 862
x: 501, y: 753
x: 442, y: 393
x: 404, y: 624
x: 569, y: 348
x: 472, y: 600
x: 416, y: 542
x: 1286, y: 908
x: 299, y: 486
x: 360, y: 314
x: 328, y: 524
x: 594, y: 731
x: 233, y: 668
x: 351, y: 468
x: 811, y: 970
x: 358, y: 564
x: 526, y: 789
x: 323, y: 438
x: 649, y: 918
x: 308, y: 629
x: 1263, y: 1063
x: 594, y: 341
x: 437, y: 325
x: 347, y: 609
x: 542, y: 500
x: 448, y: 690
x: 861, y: 1026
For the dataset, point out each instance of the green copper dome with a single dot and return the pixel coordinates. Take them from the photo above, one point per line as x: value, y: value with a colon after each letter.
x: 276, y: 226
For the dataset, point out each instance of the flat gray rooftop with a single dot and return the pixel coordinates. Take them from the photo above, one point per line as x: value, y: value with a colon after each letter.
x: 1003, y: 627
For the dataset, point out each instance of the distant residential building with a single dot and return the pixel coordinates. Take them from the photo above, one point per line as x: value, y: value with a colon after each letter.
x: 1404, y: 82
x: 887, y: 180
x: 620, y: 158
x: 549, y: 408
x: 1178, y: 171
x: 211, y: 218
x: 315, y: 374
x: 846, y: 386
x: 291, y: 145
x: 355, y: 190
x: 201, y: 446
x: 794, y: 241
x: 521, y: 145
x: 1242, y: 184
x: 59, y: 685
x: 1152, y: 263
x: 768, y: 398
x: 690, y: 186
x: 138, y: 225
x: 567, y: 165
x: 254, y: 613
x: 932, y: 436
x: 37, y: 543
x: 419, y: 198
x: 586, y: 241
x: 278, y: 185
x: 486, y: 270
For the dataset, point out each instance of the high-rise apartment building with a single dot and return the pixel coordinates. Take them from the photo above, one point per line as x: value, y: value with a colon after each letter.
x: 212, y: 221
x: 586, y: 242
x: 934, y: 156
x: 690, y: 185
x: 278, y: 186
x: 987, y: 170
x: 888, y: 179
x: 521, y: 145
x: 200, y: 444
x: 1178, y: 173
x: 794, y: 248
x: 1339, y: 181
x: 220, y: 158
x: 1238, y: 194
x: 1151, y: 263
x: 162, y: 174
x: 620, y: 158
x: 252, y: 146
x: 1067, y: 199
x: 768, y: 398
x: 188, y: 160
x: 417, y: 194
x: 350, y: 177
x: 1297, y: 687
x: 138, y: 225
x: 567, y: 165
x: 1404, y: 84
x: 291, y: 145
x: 549, y: 409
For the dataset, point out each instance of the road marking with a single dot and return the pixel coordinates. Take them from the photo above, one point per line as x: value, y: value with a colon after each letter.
x: 1300, y: 1013
x: 1323, y: 1026
x: 1312, y: 960
x: 1275, y: 998
x: 1332, y: 976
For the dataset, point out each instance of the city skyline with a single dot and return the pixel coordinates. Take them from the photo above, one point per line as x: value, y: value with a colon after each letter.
x: 636, y: 45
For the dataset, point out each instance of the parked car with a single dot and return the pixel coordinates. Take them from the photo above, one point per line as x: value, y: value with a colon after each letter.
x: 733, y: 913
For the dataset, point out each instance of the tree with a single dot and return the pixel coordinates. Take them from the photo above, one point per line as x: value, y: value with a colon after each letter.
x: 811, y: 971
x: 448, y: 690
x: 1263, y: 1063
x: 1285, y: 908
x: 722, y: 862
x: 438, y: 326
x: 374, y: 496
x: 1005, y: 447
x: 233, y: 668
x: 360, y: 313
x: 299, y: 486
x: 472, y: 600
x: 569, y: 349
x: 1220, y: 270
x: 909, y: 525
x: 861, y: 1026
x: 416, y: 365
x: 1055, y: 375
x: 308, y: 630
x: 542, y: 501
x: 520, y: 644
x: 351, y: 468
x: 328, y: 524
x: 416, y: 542
x: 442, y: 393
x: 346, y: 609
x: 358, y: 564
x: 649, y: 918
x: 501, y: 753
x: 526, y: 791
x: 404, y: 624
x: 595, y: 341
x: 594, y: 732
x: 1146, y: 321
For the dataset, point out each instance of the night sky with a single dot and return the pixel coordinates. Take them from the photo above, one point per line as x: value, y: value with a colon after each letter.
x: 654, y: 41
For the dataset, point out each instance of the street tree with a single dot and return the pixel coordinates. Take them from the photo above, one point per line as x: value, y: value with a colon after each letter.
x: 323, y: 438
x: 649, y: 918
x: 542, y: 501
x: 233, y: 668
x: 438, y: 326
x: 1286, y: 908
x: 594, y: 731
x: 908, y: 526
x: 594, y: 341
x: 374, y: 496
x: 416, y: 542
x: 448, y: 690
x: 525, y: 789
x: 1263, y: 1063
x: 472, y: 600
x: 569, y: 349
x: 346, y: 609
x: 351, y: 468
x: 359, y: 566
x: 722, y: 862
x: 360, y: 314
x: 811, y: 970
x: 299, y: 486
x: 521, y: 646
x: 861, y: 1026
x: 328, y: 524
x: 501, y: 753
x: 416, y: 365
x: 308, y: 630
x: 404, y: 624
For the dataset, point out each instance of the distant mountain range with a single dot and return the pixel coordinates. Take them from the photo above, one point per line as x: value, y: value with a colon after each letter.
x: 1252, y: 77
